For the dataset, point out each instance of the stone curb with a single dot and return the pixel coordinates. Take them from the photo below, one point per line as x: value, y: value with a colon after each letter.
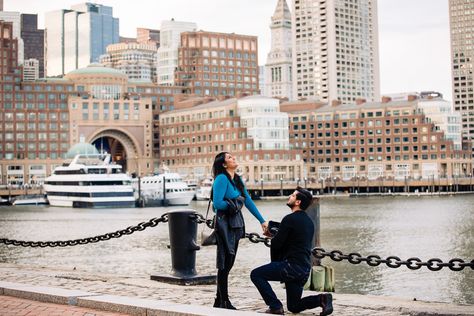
x: 344, y: 303
x: 111, y: 303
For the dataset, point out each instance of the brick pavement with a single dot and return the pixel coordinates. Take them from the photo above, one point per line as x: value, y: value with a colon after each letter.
x: 14, y: 306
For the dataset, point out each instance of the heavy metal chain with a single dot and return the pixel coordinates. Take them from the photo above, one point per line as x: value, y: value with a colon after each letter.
x: 435, y: 264
x: 253, y: 237
x: 256, y: 238
x: 119, y: 233
x: 414, y: 263
x: 199, y: 218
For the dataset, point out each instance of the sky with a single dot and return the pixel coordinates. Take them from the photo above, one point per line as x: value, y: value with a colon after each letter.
x: 414, y: 45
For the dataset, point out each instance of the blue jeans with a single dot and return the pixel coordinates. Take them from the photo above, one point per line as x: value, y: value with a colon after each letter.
x: 294, y: 276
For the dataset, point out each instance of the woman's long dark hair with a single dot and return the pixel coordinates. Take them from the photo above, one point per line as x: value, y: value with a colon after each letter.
x: 218, y: 168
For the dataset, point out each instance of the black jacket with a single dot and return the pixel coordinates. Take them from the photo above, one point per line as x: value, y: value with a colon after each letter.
x: 230, y: 227
x: 294, y: 239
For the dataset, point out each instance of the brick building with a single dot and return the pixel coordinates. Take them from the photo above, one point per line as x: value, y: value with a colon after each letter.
x: 34, y: 119
x: 373, y: 140
x: 191, y: 136
x: 217, y: 64
x: 40, y: 120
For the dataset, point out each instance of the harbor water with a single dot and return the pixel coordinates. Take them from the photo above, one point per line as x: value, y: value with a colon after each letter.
x: 424, y: 227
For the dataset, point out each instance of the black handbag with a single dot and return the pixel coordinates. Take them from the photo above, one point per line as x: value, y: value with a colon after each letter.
x: 209, y: 235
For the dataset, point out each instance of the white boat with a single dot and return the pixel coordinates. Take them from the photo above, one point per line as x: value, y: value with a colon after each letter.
x: 30, y: 199
x: 90, y: 181
x: 203, y: 193
x: 177, y: 192
x: 193, y: 185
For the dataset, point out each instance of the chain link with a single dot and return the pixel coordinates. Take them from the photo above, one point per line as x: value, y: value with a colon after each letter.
x: 256, y: 238
x: 119, y: 233
x: 414, y: 263
x: 253, y: 237
x: 199, y: 218
x: 434, y: 264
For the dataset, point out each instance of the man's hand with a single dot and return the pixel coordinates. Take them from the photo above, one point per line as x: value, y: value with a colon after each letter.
x: 265, y: 229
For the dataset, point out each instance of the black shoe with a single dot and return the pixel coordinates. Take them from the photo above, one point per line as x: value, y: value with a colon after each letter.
x: 227, y: 305
x: 326, y: 304
x: 276, y: 311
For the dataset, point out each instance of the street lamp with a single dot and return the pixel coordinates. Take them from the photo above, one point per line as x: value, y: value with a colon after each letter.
x: 335, y: 185
x: 358, y: 184
x: 261, y: 187
x: 439, y: 183
x: 393, y: 183
x: 281, y: 186
x: 297, y: 182
x: 433, y: 184
x: 470, y: 182
x: 305, y: 180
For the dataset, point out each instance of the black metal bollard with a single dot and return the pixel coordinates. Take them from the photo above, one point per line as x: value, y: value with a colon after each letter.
x: 183, y: 230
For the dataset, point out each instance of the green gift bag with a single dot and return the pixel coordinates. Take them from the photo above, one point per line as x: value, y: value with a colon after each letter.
x: 307, y: 285
x: 321, y: 279
x: 318, y: 277
x: 329, y: 280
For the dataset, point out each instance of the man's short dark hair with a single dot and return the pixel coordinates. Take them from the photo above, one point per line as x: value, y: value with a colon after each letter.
x: 305, y: 197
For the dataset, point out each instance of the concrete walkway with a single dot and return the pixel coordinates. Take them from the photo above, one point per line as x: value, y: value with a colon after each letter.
x: 134, y: 295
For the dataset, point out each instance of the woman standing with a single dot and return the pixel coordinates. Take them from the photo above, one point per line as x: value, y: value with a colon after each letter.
x: 227, y: 191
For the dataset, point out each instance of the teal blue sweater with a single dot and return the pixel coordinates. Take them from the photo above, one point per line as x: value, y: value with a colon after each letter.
x: 223, y: 188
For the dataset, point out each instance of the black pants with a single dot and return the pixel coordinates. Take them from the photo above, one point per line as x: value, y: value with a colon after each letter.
x: 294, y: 277
x: 223, y: 275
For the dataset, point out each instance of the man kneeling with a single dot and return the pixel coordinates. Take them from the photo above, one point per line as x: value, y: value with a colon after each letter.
x: 291, y: 261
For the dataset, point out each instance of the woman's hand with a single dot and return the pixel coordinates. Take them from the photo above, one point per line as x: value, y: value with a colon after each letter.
x: 265, y: 228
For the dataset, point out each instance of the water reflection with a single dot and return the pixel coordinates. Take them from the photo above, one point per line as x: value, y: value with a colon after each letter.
x: 437, y: 227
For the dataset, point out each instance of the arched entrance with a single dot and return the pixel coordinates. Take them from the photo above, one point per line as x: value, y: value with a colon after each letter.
x: 114, y: 147
x: 121, y: 146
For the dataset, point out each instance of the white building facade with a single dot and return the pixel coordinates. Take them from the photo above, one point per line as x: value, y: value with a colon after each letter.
x: 442, y: 114
x: 278, y: 69
x: 261, y: 80
x: 438, y: 110
x: 335, y: 50
x: 170, y: 38
x: 31, y: 69
x: 77, y: 37
x: 266, y: 125
x: 136, y: 60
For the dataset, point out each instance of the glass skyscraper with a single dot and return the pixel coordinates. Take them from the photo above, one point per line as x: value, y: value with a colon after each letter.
x: 78, y: 36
